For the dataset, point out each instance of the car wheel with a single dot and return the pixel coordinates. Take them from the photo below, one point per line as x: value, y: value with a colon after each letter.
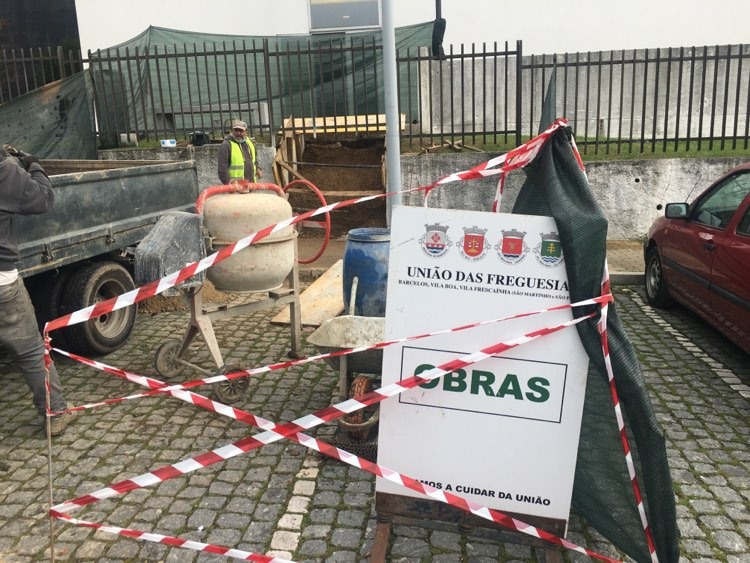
x: 657, y: 292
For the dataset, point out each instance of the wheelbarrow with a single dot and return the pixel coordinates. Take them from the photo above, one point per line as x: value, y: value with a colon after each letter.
x: 342, y: 333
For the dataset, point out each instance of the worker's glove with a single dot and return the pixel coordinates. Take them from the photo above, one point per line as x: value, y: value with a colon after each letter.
x: 27, y: 160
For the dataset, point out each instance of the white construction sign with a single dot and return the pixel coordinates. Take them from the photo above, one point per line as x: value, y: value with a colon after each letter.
x: 502, y: 432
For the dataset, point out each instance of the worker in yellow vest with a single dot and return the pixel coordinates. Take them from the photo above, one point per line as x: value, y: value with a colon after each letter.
x: 237, y: 159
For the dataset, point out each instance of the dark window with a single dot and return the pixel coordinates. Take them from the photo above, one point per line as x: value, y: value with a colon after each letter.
x: 717, y: 208
x: 329, y: 15
x: 744, y: 226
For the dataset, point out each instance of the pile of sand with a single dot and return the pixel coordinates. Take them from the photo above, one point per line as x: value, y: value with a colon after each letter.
x: 161, y: 304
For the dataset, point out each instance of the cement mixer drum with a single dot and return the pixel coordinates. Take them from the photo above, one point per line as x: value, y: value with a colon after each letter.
x: 264, y: 265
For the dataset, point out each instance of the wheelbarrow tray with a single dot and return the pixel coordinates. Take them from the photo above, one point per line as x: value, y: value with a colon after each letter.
x: 351, y: 331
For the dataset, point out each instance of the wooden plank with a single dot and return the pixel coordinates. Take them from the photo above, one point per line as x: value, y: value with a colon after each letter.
x: 323, y: 300
x: 288, y: 168
x: 341, y: 124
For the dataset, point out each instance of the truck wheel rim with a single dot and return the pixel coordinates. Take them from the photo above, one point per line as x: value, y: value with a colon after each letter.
x: 113, y: 323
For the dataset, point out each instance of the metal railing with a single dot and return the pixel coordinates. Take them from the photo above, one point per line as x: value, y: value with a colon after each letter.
x: 178, y: 90
x: 464, y: 96
x: 489, y: 96
x: 650, y: 100
x: 330, y: 88
x: 24, y: 70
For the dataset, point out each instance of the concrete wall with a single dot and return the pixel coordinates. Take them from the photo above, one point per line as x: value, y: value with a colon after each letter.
x: 205, y: 159
x: 628, y: 191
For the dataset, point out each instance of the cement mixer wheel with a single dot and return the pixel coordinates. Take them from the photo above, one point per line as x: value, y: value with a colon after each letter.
x: 231, y: 390
x: 360, y: 385
x: 165, y: 359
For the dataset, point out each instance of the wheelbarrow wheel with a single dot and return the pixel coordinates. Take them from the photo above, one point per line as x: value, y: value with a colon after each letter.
x: 166, y: 362
x: 360, y: 385
x: 230, y: 390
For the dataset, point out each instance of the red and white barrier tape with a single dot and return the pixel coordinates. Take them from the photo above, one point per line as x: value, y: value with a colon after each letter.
x: 502, y: 164
x: 522, y: 156
x: 158, y: 286
x: 517, y: 158
x: 161, y: 388
x: 317, y: 418
x: 171, y: 540
x: 520, y: 159
x: 158, y: 389
x: 621, y: 423
x: 284, y: 431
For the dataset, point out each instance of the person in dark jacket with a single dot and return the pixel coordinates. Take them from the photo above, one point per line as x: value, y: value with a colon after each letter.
x: 25, y: 189
x: 237, y: 158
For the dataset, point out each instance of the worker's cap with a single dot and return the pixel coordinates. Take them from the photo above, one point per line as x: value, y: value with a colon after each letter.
x: 237, y: 124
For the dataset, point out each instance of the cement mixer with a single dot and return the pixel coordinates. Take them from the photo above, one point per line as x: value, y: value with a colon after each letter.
x: 229, y: 213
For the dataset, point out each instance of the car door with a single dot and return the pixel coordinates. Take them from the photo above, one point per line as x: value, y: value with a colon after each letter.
x: 690, y: 249
x: 687, y: 260
x: 730, y: 277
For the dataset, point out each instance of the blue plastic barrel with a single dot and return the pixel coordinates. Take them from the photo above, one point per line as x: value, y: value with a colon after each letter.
x: 366, y: 258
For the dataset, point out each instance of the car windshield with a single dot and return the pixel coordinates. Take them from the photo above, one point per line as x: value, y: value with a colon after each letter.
x: 717, y: 208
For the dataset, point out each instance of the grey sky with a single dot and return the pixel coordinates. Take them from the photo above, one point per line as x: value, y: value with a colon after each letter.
x: 545, y: 26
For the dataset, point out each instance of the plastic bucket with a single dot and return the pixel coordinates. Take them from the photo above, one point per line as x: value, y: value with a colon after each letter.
x: 366, y: 258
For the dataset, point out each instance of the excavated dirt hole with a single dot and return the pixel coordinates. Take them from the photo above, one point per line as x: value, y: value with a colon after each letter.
x: 330, y: 179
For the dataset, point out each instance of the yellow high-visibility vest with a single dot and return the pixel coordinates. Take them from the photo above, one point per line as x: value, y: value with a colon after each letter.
x: 237, y: 161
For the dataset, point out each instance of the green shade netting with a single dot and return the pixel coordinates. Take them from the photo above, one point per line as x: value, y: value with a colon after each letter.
x: 186, y: 81
x: 557, y: 187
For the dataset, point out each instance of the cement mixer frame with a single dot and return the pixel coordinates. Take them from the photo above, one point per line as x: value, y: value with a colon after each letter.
x: 172, y: 357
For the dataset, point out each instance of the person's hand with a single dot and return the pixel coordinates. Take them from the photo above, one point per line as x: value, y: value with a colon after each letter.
x: 258, y: 172
x: 27, y: 160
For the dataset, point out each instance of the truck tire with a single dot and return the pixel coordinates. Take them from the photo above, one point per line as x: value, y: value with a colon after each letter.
x: 46, y: 293
x: 93, y: 283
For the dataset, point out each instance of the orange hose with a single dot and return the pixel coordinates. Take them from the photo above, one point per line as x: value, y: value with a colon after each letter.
x: 322, y: 199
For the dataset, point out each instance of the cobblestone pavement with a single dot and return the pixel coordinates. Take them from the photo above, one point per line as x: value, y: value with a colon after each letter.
x: 287, y: 500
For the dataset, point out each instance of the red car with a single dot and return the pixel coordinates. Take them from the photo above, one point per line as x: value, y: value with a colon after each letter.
x: 699, y: 255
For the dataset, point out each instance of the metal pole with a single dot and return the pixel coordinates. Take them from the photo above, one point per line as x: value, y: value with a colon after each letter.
x: 392, y: 122
x: 438, y: 10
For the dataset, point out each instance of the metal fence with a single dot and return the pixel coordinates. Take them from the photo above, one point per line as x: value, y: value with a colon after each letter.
x: 331, y: 88
x: 466, y: 96
x: 24, y: 70
x: 489, y: 96
x: 650, y: 100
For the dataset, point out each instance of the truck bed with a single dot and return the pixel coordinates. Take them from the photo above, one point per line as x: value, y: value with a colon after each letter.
x: 101, y: 206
